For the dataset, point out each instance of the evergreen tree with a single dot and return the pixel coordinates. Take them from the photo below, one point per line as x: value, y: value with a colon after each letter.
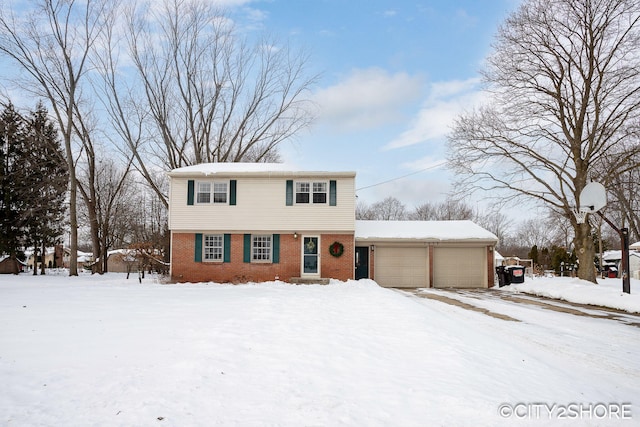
x: 13, y: 207
x: 33, y: 182
x: 47, y: 182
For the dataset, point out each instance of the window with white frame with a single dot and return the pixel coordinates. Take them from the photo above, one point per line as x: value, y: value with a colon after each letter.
x: 311, y: 192
x: 203, y: 194
x: 212, y: 192
x: 213, y: 247
x: 220, y: 192
x: 261, y: 248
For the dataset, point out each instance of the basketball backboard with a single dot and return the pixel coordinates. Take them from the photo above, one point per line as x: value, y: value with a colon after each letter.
x: 593, y: 197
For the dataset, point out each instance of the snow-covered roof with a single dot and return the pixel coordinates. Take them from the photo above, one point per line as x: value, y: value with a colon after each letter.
x: 616, y: 255
x: 612, y: 255
x: 249, y: 168
x: 422, y: 230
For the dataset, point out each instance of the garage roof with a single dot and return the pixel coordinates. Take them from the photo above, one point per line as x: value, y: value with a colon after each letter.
x: 423, y: 230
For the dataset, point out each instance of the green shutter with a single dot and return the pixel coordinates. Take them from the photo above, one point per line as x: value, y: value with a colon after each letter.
x: 247, y: 248
x: 332, y: 193
x: 276, y: 249
x: 289, y: 192
x: 227, y: 248
x: 198, y: 249
x: 190, y: 189
x: 232, y: 192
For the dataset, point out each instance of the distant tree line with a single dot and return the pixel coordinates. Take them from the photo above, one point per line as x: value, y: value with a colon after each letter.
x: 33, y: 183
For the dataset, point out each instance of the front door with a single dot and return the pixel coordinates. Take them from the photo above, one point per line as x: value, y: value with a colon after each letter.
x: 310, y: 256
x: 362, y: 262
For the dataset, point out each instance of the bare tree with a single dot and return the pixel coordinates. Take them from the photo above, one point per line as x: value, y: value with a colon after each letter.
x: 200, y: 93
x: 449, y: 209
x: 565, y: 84
x: 624, y: 201
x: 389, y: 209
x: 51, y: 46
x: 497, y: 223
x: 109, y: 206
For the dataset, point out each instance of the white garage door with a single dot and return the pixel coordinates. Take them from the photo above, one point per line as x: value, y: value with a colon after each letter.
x: 459, y: 268
x: 401, y: 267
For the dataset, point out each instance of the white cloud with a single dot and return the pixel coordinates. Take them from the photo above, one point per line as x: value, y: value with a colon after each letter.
x: 445, y: 102
x: 367, y: 98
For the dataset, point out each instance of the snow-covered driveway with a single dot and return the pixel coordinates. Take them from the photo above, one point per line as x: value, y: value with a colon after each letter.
x: 496, y: 303
x: 103, y: 351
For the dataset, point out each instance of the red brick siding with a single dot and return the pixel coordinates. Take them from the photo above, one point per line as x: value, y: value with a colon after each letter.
x: 184, y: 268
x: 342, y: 267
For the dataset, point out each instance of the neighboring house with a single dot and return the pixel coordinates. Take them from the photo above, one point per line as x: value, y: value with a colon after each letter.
x: 10, y: 266
x: 122, y: 261
x: 240, y: 222
x: 54, y: 257
x: 634, y: 264
x: 613, y: 258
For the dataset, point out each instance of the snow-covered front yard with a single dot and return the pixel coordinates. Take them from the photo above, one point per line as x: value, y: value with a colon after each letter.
x: 105, y: 351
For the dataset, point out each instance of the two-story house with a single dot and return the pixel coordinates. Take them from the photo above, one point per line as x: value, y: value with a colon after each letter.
x: 242, y: 222
x: 238, y: 222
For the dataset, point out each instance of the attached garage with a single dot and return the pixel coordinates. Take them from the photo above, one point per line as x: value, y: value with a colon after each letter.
x: 459, y: 267
x: 402, y: 267
x: 418, y: 254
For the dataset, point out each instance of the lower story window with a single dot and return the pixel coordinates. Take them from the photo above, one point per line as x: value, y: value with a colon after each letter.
x: 261, y: 248
x: 213, y: 247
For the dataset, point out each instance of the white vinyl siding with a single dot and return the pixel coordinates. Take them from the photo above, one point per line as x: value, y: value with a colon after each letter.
x: 261, y: 205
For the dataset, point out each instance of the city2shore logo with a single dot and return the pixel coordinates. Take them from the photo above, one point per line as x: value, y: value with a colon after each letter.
x: 569, y: 411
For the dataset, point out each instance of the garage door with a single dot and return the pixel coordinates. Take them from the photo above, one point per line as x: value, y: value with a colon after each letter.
x: 401, y: 267
x: 459, y: 268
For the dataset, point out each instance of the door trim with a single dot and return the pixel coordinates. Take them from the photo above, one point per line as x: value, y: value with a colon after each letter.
x: 302, y: 254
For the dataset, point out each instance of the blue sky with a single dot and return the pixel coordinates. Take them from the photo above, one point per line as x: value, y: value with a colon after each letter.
x: 393, y: 76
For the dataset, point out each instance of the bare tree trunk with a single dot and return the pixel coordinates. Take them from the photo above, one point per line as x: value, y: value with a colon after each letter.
x: 35, y: 259
x: 585, y: 252
x: 43, y: 264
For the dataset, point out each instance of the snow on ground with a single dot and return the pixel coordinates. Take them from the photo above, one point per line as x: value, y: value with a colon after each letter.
x: 607, y: 293
x: 105, y: 351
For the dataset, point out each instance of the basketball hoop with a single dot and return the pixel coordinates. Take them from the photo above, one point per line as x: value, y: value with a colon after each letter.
x: 593, y: 198
x: 581, y: 215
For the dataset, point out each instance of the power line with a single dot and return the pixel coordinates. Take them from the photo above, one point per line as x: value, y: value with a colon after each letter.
x: 403, y: 176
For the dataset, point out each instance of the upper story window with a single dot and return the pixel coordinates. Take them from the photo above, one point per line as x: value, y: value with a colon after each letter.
x: 211, y: 192
x: 311, y: 192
